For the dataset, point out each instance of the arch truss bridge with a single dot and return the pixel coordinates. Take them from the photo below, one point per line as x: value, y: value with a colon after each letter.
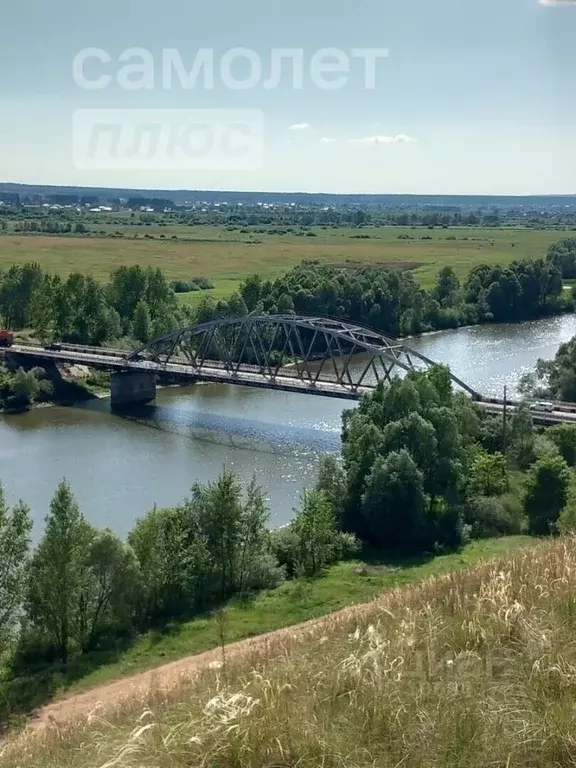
x: 316, y: 355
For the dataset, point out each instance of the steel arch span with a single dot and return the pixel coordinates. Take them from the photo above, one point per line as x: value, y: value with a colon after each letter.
x: 321, y: 355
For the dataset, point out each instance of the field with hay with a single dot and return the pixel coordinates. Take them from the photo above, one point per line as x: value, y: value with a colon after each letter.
x: 472, y: 668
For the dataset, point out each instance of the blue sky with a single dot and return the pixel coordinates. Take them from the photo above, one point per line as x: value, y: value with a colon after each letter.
x: 475, y: 97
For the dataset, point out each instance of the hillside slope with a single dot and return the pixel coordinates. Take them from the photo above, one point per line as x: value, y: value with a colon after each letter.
x: 473, y: 668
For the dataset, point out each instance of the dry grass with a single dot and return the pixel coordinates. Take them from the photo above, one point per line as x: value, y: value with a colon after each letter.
x: 473, y: 668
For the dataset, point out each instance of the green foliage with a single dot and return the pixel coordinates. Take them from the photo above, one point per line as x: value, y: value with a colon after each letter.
x: 188, y: 286
x: 110, y: 589
x: 489, y: 474
x: 20, y: 389
x: 216, y: 544
x: 392, y: 301
x: 488, y: 516
x: 566, y: 525
x: 394, y: 505
x: 564, y: 438
x: 15, y: 528
x: 332, y: 482
x: 57, y: 575
x: 319, y: 542
x: 563, y: 256
x: 521, y: 443
x: 142, y: 322
x: 558, y: 377
x: 405, y: 461
x: 546, y: 495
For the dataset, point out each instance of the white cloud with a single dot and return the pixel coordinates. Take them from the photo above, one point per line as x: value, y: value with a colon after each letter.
x: 400, y: 138
x: 328, y: 140
x: 557, y: 2
x: 300, y: 127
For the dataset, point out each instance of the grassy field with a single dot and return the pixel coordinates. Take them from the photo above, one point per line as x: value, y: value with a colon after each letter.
x: 227, y: 257
x: 293, y: 602
x: 467, y: 670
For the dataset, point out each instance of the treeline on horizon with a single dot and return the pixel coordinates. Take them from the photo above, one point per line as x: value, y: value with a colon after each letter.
x: 138, y: 304
x: 422, y: 471
x: 53, y: 194
x: 163, y: 213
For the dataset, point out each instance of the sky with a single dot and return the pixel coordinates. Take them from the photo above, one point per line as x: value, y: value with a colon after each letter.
x: 473, y: 97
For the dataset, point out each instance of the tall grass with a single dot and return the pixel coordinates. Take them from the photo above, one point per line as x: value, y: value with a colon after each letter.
x: 472, y: 668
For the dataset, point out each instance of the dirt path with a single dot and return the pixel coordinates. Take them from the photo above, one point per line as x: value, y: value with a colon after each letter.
x: 164, y: 678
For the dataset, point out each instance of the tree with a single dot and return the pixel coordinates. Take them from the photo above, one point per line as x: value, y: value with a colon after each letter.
x: 547, y: 487
x: 558, y: 376
x: 126, y: 288
x: 110, y: 588
x: 318, y: 537
x: 57, y: 573
x: 142, y: 324
x: 24, y: 387
x: 563, y: 256
x: 174, y: 562
x: 251, y: 291
x: 212, y: 546
x: 332, y: 482
x: 285, y: 304
x: 564, y: 438
x: 489, y: 474
x: 521, y: 445
x: 256, y: 568
x: 15, y: 528
x: 447, y: 287
x: 393, y: 505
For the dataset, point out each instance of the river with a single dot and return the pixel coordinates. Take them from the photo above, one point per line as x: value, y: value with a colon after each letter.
x: 120, y: 466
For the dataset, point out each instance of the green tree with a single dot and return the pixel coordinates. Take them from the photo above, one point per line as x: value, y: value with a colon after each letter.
x: 489, y: 474
x: 15, y: 528
x: 567, y: 521
x: 285, y: 304
x: 24, y: 388
x: 212, y: 546
x: 547, y: 487
x: 251, y: 291
x: 447, y: 287
x: 521, y: 443
x: 564, y: 438
x: 126, y: 288
x: 110, y: 588
x: 394, y: 505
x: 142, y: 324
x: 563, y: 256
x: 332, y: 482
x: 173, y: 561
x: 318, y: 538
x: 57, y: 572
x: 255, y: 565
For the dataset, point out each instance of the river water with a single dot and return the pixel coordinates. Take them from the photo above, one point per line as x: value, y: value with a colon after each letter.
x: 120, y: 466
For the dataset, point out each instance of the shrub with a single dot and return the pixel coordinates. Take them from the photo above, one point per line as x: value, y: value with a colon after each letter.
x: 488, y: 516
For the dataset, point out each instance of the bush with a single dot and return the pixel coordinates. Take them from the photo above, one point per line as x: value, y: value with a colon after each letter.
x: 488, y: 516
x: 286, y: 548
x: 547, y: 488
x: 285, y: 544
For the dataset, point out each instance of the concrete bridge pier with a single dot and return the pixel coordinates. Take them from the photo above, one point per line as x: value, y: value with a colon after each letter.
x: 132, y: 388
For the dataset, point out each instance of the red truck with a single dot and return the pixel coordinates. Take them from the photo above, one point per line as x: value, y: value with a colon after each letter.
x: 6, y: 338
